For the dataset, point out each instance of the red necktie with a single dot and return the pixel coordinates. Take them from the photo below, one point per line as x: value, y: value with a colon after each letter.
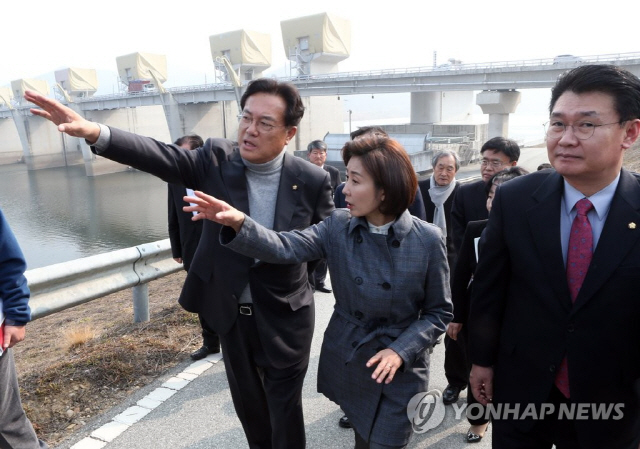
x: 578, y: 259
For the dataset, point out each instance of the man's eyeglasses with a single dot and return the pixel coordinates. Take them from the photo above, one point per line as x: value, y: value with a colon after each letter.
x: 263, y: 126
x: 582, y: 130
x: 494, y: 163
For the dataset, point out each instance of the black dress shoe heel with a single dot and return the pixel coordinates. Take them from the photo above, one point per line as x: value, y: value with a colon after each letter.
x: 474, y: 437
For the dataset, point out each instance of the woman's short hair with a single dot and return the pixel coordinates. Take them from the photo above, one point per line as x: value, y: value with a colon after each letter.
x: 388, y: 164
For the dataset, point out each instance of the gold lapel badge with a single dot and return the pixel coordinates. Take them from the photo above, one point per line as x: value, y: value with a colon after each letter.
x: 295, y: 187
x: 632, y: 225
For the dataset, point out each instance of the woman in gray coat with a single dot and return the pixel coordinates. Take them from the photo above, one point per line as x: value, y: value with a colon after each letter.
x: 390, y: 279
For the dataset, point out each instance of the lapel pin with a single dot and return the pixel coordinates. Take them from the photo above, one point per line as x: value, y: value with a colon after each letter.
x: 295, y: 187
x: 632, y: 225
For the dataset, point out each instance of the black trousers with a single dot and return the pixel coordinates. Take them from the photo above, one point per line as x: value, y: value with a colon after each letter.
x: 456, y: 362
x: 319, y: 274
x: 544, y: 434
x: 210, y: 338
x: 268, y: 400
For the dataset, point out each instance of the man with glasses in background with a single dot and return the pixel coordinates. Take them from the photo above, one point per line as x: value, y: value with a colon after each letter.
x: 470, y: 204
x: 264, y: 313
x: 555, y: 304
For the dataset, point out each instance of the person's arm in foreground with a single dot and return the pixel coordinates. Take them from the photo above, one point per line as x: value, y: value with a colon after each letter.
x: 13, y: 287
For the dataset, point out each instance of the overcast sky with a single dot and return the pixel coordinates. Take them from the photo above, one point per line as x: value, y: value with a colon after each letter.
x: 45, y: 35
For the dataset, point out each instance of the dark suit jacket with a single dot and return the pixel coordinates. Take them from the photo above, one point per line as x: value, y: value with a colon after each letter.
x: 430, y: 210
x: 464, y: 270
x: 184, y: 233
x: 334, y: 173
x: 470, y: 204
x: 282, y: 297
x: 522, y: 320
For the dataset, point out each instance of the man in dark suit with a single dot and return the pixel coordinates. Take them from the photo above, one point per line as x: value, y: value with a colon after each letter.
x: 470, y: 204
x: 317, y: 154
x: 264, y: 313
x: 554, y: 307
x: 184, y: 235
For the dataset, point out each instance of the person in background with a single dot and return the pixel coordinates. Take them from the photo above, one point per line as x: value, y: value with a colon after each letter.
x: 544, y: 166
x: 317, y: 154
x: 438, y: 193
x: 263, y: 313
x: 16, y: 430
x: 416, y: 208
x: 470, y: 204
x: 390, y: 277
x: 184, y: 235
x: 461, y: 282
x: 554, y: 305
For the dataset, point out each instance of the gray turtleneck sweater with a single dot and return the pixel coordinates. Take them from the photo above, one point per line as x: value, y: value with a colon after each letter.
x: 263, y: 181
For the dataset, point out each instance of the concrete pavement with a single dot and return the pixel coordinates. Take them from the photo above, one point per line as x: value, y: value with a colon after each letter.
x: 191, y: 408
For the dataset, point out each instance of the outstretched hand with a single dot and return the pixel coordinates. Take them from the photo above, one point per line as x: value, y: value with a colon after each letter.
x: 67, y: 120
x: 214, y: 209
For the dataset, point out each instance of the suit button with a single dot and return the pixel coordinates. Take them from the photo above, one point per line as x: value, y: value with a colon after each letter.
x: 354, y: 344
x: 570, y: 327
x: 358, y: 314
x: 359, y: 239
x: 359, y: 280
x: 395, y: 244
x: 386, y: 286
x: 552, y: 368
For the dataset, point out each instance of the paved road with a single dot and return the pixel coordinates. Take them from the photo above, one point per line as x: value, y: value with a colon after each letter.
x: 201, y: 414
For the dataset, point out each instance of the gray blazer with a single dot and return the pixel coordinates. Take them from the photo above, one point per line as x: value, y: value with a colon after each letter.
x: 391, y: 291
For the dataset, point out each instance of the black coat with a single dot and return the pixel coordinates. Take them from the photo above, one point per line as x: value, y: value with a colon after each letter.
x: 430, y: 210
x: 522, y: 319
x: 469, y: 204
x: 184, y: 233
x: 334, y: 173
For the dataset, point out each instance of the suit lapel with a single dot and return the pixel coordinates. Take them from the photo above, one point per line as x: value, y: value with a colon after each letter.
x: 289, y: 191
x: 617, y: 237
x: 235, y: 182
x: 544, y: 222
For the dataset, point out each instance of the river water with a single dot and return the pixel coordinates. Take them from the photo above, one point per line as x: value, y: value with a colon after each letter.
x: 60, y: 214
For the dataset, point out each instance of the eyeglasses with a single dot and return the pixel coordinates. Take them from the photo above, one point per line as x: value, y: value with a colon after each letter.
x: 263, y: 127
x: 318, y: 153
x: 582, y: 130
x: 494, y: 163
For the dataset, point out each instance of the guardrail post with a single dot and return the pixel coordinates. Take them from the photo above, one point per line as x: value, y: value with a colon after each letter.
x: 140, y: 303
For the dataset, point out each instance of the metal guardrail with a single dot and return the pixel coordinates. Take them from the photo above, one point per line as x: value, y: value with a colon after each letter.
x: 68, y: 284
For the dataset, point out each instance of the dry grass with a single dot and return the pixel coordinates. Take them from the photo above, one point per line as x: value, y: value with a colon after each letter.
x: 78, y: 336
x: 79, y: 363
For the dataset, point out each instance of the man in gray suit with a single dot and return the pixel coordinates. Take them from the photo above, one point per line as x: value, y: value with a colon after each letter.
x: 264, y: 313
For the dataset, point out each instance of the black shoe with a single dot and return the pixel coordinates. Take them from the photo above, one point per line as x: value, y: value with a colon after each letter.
x: 324, y: 289
x: 474, y: 437
x: 345, y: 423
x: 450, y: 394
x: 203, y: 352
